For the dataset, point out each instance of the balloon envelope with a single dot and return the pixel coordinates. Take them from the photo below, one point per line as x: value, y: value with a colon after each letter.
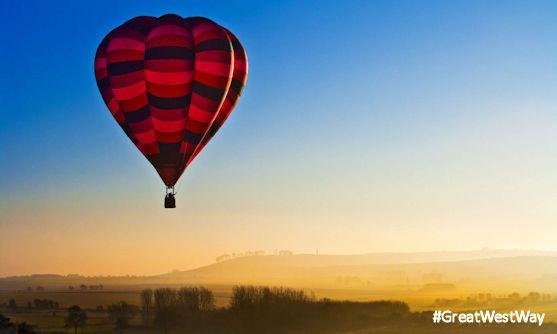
x: 170, y: 83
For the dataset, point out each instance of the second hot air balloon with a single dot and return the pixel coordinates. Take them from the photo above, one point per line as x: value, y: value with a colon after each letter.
x: 170, y: 83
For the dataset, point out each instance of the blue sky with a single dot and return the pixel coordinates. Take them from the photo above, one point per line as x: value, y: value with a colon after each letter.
x: 373, y: 118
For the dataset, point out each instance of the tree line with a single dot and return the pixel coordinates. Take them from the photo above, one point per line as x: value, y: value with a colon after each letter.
x: 252, y: 309
x: 258, y: 309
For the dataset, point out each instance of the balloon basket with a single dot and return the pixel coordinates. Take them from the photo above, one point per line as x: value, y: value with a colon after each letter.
x: 169, y: 199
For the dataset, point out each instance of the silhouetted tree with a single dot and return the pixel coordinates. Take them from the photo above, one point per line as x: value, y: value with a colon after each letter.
x: 258, y: 309
x: 285, y: 252
x: 195, y: 300
x: 223, y: 257
x: 206, y: 300
x: 121, y: 313
x: 6, y: 326
x: 514, y: 296
x: 45, y: 304
x: 534, y: 297
x: 165, y: 307
x: 76, y: 318
x: 146, y: 305
x: 188, y: 301
x: 250, y: 297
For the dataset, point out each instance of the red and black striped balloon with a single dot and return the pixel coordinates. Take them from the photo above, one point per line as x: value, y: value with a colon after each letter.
x: 170, y: 83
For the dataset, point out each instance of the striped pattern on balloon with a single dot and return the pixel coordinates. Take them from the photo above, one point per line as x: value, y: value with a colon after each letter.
x: 170, y: 83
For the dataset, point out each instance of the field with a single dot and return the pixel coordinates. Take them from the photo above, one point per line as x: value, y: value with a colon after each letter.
x: 95, y: 303
x: 222, y: 293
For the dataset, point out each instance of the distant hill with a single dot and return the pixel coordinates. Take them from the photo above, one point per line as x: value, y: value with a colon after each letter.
x: 404, y: 257
x: 311, y: 270
x: 490, y: 269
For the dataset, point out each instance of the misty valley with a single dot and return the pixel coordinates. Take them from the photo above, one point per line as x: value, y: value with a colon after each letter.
x: 287, y: 293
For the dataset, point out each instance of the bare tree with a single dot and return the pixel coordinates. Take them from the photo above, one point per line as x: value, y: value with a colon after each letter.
x: 121, y: 313
x: 195, y: 300
x: 76, y: 318
x: 146, y: 305
x: 206, y: 300
x: 165, y: 307
x: 188, y: 301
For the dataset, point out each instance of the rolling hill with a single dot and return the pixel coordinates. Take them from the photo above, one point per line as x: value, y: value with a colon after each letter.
x: 490, y: 269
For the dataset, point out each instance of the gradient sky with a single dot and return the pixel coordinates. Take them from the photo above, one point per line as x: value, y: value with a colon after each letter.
x: 364, y: 126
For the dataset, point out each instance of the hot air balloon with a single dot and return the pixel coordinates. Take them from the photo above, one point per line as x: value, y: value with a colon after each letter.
x: 170, y: 83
